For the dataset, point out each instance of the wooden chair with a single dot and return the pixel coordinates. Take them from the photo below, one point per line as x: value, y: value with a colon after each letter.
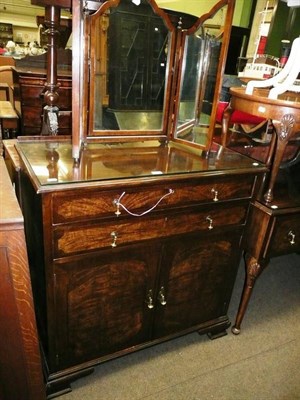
x: 9, y: 115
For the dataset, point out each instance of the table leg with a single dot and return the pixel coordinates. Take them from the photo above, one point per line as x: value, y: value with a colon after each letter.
x: 253, y: 270
x: 284, y: 131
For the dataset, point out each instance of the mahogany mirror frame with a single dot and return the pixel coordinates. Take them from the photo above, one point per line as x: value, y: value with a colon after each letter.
x: 144, y: 132
x: 178, y: 35
x: 226, y: 31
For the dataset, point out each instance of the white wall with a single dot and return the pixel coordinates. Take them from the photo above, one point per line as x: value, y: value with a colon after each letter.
x: 22, y: 15
x: 256, y: 26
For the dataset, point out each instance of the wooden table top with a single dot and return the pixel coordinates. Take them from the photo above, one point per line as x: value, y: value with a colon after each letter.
x: 260, y: 105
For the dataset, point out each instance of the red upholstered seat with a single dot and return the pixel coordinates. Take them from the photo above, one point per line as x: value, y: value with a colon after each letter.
x: 238, y: 117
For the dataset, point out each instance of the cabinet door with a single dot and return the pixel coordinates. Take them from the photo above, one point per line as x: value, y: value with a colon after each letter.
x: 101, y: 303
x: 197, y: 279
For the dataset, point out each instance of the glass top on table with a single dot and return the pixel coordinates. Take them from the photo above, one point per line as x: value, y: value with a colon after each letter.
x: 51, y: 163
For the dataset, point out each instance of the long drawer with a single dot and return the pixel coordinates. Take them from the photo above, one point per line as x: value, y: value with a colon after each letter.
x: 90, y: 204
x: 33, y: 96
x: 82, y: 238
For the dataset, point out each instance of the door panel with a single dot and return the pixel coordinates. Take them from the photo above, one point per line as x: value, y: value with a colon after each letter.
x: 197, y: 276
x: 102, y: 303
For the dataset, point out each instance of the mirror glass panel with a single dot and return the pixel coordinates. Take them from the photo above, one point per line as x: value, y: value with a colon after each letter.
x: 128, y: 68
x: 198, y: 80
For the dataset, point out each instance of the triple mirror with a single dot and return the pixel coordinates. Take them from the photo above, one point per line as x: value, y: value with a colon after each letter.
x: 149, y: 72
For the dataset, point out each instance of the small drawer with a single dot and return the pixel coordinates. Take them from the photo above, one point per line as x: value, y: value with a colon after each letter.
x: 286, y: 235
x: 76, y: 238
x: 32, y: 81
x: 32, y: 116
x: 90, y: 204
x: 33, y: 96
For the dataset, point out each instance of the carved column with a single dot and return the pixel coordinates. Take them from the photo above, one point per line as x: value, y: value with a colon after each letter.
x: 50, y: 114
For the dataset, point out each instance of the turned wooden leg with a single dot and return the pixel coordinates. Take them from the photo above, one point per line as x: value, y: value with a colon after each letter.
x: 253, y: 270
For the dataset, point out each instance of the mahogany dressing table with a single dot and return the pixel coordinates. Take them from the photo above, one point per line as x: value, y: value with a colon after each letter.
x: 133, y: 231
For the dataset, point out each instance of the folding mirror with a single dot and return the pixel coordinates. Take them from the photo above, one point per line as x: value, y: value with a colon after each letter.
x: 145, y: 73
x: 201, y: 71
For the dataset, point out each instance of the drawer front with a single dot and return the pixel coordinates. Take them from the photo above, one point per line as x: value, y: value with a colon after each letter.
x: 37, y: 80
x: 95, y: 203
x: 32, y: 116
x: 286, y: 235
x: 33, y: 96
x: 78, y: 238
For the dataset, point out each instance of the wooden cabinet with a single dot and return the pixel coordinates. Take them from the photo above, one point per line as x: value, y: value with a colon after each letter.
x: 121, y: 264
x: 131, y: 296
x: 133, y: 232
x: 32, y: 86
x: 273, y: 229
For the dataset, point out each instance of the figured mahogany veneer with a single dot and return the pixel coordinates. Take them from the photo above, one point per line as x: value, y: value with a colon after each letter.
x: 123, y: 263
x: 94, y: 236
x: 133, y: 239
x: 89, y: 204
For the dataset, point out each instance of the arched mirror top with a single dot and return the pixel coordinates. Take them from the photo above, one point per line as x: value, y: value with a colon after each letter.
x: 128, y: 59
x: 140, y: 69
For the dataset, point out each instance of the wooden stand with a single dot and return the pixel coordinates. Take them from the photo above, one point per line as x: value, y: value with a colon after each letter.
x: 273, y: 226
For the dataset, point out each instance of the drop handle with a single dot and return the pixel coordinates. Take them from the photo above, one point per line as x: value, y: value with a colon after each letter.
x: 210, y: 222
x: 291, y: 237
x: 215, y: 194
x: 118, y: 204
x: 114, y: 236
x: 149, y: 300
x: 161, y: 296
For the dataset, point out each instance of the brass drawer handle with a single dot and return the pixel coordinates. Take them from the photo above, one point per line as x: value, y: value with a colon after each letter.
x: 118, y: 204
x: 114, y: 236
x: 291, y: 237
x: 161, y: 296
x: 215, y: 194
x: 149, y: 300
x: 210, y: 222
